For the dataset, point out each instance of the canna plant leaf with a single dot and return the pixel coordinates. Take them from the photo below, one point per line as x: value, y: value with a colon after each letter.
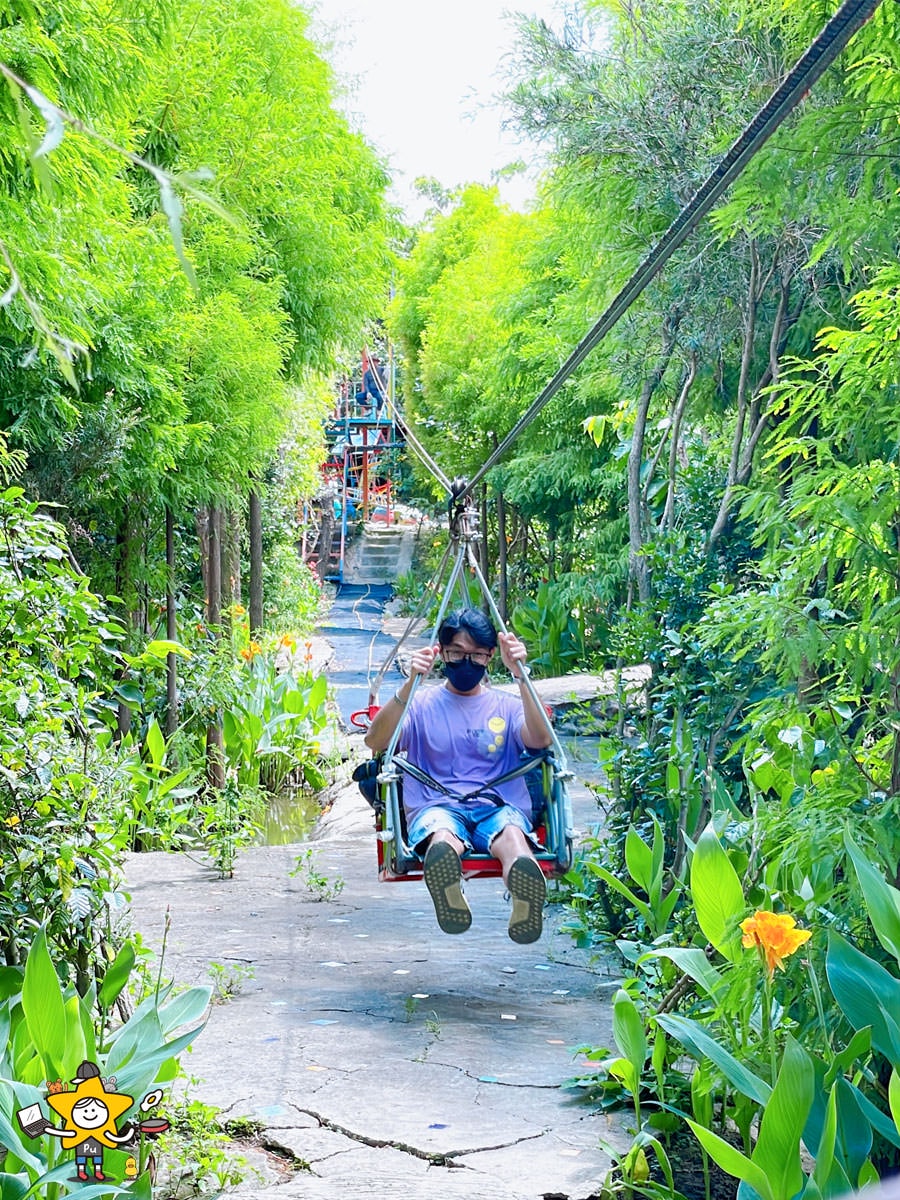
x: 882, y: 900
x: 698, y: 1042
x: 866, y: 993
x: 42, y: 1003
x: 777, y: 1150
x: 894, y: 1097
x: 117, y: 976
x: 717, y: 895
x: 628, y: 1030
x: 732, y: 1160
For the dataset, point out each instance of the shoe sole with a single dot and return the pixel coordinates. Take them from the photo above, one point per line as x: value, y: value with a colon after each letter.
x: 528, y: 891
x: 443, y: 878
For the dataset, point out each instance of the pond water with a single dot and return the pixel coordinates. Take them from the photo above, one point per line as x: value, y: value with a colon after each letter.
x: 289, y: 818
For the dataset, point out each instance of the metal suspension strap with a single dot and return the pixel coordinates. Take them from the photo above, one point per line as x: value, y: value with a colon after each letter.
x: 388, y: 770
x: 375, y: 684
x: 558, y: 752
x: 806, y: 71
x: 465, y: 533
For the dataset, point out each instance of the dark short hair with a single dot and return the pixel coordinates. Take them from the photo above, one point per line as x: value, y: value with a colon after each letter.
x: 471, y: 621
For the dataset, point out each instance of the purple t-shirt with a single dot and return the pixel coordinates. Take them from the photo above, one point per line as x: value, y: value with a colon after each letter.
x: 463, y: 742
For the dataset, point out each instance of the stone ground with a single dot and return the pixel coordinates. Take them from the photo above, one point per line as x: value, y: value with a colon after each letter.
x: 371, y: 1046
x: 377, y: 1054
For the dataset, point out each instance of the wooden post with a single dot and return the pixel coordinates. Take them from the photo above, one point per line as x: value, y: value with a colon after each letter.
x: 215, y: 738
x: 171, y: 627
x: 256, y: 582
x: 365, y: 471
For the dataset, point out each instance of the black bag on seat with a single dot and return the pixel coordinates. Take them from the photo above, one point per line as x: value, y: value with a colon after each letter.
x: 366, y: 777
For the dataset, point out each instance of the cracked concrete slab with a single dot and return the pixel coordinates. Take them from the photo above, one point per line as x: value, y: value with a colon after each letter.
x: 414, y: 1048
x: 371, y: 1046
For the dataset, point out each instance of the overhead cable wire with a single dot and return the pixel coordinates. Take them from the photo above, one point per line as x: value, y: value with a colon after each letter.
x: 422, y: 453
x: 807, y: 70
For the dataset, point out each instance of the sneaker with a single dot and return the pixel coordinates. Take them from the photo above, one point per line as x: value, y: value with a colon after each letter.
x: 528, y: 891
x: 443, y: 878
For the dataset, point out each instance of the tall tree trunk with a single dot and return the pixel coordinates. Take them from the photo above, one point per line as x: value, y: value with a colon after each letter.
x: 127, y: 551
x: 484, y: 561
x: 215, y: 741
x: 171, y: 627
x: 201, y: 521
x: 231, y: 557
x: 668, y: 518
x: 753, y: 411
x: 256, y: 582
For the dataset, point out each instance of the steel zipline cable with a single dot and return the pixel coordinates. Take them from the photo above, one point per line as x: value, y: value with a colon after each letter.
x: 808, y: 69
x: 422, y: 453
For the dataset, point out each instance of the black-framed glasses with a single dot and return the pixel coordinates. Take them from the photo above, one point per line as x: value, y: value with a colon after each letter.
x: 480, y: 658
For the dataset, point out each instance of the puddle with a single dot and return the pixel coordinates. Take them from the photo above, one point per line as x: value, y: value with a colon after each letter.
x: 289, y: 818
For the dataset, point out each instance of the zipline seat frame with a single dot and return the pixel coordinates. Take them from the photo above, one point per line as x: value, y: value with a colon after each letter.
x: 396, y: 858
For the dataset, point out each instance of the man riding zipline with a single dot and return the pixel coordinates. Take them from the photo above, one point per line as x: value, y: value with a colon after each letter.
x: 463, y: 735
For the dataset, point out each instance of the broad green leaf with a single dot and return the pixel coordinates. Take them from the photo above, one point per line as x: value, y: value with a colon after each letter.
x: 183, y: 1009
x: 622, y: 888
x: 868, y: 1175
x: 882, y: 900
x: 858, y: 1047
x: 13, y: 1187
x: 138, y: 1075
x: 76, y: 1049
x: 10, y: 981
x: 880, y: 1122
x: 42, y: 1003
x: 160, y: 648
x: 894, y: 1097
x: 866, y: 993
x: 695, y: 1039
x: 777, y: 1150
x: 732, y: 1161
x: 155, y: 743
x: 130, y: 693
x: 694, y: 963
x: 10, y: 1135
x: 854, y: 1131
x: 318, y: 693
x: 40, y: 1189
x: 117, y: 975
x: 623, y: 1070
x: 717, y: 895
x: 628, y: 1030
x: 638, y: 859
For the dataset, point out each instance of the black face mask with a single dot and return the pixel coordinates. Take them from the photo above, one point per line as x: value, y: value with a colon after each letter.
x: 464, y: 675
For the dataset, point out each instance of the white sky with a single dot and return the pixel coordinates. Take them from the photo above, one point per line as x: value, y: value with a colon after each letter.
x: 422, y: 76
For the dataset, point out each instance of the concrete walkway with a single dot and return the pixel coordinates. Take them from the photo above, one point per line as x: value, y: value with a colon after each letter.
x: 374, y: 1049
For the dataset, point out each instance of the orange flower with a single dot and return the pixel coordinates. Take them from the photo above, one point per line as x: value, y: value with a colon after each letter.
x: 288, y: 641
x: 774, y: 935
x: 250, y: 652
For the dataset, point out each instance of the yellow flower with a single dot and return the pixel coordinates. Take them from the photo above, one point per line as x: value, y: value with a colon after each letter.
x: 238, y: 610
x: 250, y: 652
x: 12, y: 821
x: 775, y: 936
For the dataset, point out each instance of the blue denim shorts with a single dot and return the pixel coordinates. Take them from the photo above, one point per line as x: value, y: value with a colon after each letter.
x: 476, y: 824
